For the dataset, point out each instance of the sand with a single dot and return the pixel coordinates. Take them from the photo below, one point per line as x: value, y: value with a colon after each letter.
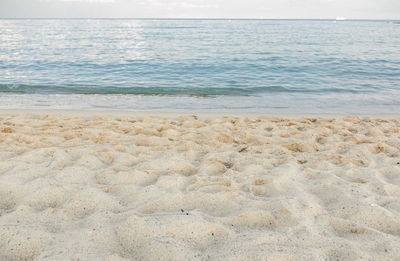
x: 130, y: 186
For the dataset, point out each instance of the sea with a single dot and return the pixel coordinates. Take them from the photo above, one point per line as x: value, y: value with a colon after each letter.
x: 201, y: 65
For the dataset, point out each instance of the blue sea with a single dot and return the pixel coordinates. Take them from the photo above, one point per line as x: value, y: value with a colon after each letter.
x: 201, y: 65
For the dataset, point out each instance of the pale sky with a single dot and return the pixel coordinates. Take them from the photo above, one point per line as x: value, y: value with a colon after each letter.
x: 351, y: 9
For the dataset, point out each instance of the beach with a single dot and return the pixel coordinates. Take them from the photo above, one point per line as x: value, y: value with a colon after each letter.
x: 78, y: 185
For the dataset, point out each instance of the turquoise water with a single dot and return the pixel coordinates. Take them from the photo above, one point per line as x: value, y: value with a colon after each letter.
x: 201, y: 65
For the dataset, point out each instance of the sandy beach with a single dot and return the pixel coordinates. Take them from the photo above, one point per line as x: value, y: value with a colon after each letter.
x: 145, y: 186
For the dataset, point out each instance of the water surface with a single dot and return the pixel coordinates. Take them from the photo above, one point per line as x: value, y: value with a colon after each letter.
x: 201, y: 65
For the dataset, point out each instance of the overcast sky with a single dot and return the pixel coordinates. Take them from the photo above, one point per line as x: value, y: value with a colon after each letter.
x: 351, y: 9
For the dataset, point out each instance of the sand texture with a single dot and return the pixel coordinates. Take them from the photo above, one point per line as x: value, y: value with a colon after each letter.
x: 132, y: 187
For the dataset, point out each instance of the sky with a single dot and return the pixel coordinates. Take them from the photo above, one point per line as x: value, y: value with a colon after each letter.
x: 316, y: 9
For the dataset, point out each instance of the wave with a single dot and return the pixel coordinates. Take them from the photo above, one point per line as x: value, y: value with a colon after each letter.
x: 163, y: 91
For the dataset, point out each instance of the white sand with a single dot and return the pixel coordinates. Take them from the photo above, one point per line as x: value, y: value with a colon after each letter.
x: 81, y: 186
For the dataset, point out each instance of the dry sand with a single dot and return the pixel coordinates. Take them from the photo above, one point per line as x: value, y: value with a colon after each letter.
x: 82, y: 186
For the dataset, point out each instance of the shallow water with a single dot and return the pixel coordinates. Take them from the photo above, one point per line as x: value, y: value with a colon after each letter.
x: 201, y: 65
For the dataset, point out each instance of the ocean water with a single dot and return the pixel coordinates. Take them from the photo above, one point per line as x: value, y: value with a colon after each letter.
x: 265, y: 66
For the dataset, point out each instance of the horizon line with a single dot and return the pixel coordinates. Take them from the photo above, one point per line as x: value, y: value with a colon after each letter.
x: 191, y: 18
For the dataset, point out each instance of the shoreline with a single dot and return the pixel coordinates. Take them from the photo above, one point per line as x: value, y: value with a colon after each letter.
x: 200, y: 114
